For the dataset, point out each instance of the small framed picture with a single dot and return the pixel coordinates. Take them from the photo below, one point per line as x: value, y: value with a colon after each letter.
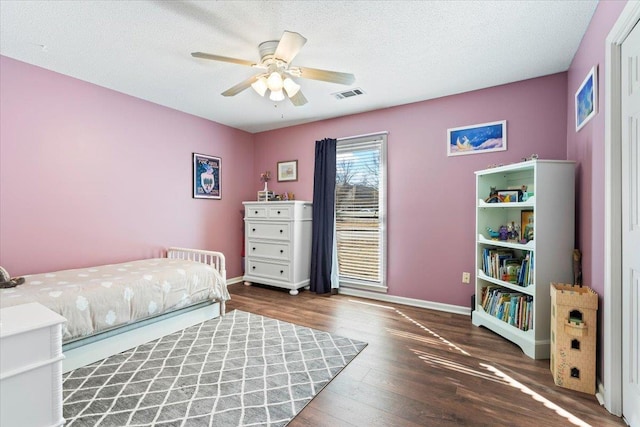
x: 527, y: 225
x: 509, y: 196
x: 587, y: 99
x: 206, y: 177
x: 288, y: 171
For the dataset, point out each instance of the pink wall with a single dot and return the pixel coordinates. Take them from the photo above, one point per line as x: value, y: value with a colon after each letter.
x: 91, y: 176
x: 587, y: 148
x: 431, y: 196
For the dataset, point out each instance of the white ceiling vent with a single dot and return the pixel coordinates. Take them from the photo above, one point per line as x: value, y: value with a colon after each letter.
x: 348, y: 93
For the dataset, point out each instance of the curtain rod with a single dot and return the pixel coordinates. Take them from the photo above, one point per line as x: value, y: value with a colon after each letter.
x: 384, y: 132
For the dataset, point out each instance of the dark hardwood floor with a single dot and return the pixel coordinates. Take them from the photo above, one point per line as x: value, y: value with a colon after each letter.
x: 422, y: 368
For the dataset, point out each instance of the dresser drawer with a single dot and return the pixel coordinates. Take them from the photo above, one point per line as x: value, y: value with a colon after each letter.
x: 277, y: 212
x: 269, y: 270
x: 268, y: 230
x: 256, y: 212
x: 276, y: 250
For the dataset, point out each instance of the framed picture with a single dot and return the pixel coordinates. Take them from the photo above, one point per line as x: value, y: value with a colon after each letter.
x: 206, y: 177
x: 482, y: 138
x: 587, y: 99
x: 526, y: 224
x: 509, y: 196
x: 288, y: 171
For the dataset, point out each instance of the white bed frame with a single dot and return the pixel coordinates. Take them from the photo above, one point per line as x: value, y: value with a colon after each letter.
x: 91, y: 349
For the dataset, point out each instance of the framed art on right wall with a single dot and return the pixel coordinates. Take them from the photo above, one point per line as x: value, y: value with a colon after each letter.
x: 587, y: 99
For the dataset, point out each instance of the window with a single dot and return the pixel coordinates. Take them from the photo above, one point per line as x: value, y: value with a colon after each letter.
x: 361, y: 171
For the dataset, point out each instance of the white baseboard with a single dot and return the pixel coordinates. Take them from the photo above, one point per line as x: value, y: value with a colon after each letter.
x: 234, y: 280
x: 449, y: 308
x: 600, y: 391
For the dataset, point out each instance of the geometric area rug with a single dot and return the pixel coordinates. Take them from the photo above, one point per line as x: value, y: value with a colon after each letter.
x: 238, y: 370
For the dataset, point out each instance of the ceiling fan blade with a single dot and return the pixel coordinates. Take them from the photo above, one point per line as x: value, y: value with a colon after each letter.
x: 222, y: 58
x: 324, y: 75
x: 298, y: 99
x: 289, y: 46
x: 241, y: 86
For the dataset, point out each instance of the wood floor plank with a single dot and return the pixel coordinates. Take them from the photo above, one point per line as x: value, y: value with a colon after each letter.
x: 422, y: 367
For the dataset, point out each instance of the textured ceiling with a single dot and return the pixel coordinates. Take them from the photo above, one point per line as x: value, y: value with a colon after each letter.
x: 399, y: 51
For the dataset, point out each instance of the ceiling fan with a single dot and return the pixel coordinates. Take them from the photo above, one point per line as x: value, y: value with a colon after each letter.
x: 275, y: 61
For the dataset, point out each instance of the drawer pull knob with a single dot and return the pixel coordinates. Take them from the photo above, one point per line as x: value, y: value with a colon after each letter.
x: 281, y: 231
x: 256, y: 212
x: 253, y: 229
x: 281, y: 251
x: 278, y: 212
x: 253, y: 249
x: 253, y: 268
x: 281, y: 271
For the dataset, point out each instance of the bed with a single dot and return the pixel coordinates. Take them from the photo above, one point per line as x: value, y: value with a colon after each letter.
x: 115, y: 307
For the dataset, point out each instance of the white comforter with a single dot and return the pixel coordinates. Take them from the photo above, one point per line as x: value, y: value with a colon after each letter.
x: 101, y: 298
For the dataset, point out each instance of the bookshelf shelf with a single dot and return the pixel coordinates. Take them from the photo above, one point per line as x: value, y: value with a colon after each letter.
x: 552, y: 207
x: 528, y: 290
x: 529, y: 246
x: 530, y: 203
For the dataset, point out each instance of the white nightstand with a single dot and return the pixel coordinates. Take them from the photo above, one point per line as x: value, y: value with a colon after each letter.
x: 30, y: 366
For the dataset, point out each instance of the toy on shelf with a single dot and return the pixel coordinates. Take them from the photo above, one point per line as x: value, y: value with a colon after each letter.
x: 504, y: 232
x: 492, y: 233
x: 493, y: 196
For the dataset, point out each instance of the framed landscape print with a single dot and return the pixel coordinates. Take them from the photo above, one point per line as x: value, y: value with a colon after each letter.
x: 206, y: 177
x: 288, y: 171
x: 474, y: 139
x: 587, y: 99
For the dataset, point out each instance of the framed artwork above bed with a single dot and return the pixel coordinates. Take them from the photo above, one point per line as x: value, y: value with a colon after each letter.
x: 206, y: 177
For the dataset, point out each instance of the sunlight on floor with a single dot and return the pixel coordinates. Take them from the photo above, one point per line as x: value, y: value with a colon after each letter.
x: 538, y: 398
x: 494, y: 374
x: 442, y: 339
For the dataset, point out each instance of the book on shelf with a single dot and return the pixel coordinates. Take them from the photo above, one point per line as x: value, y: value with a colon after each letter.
x: 513, y: 308
x: 504, y: 265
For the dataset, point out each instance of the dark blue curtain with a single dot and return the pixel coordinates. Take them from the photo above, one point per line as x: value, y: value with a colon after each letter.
x: 324, y: 186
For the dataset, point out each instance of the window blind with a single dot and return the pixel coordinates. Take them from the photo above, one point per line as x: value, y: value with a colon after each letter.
x: 361, y: 211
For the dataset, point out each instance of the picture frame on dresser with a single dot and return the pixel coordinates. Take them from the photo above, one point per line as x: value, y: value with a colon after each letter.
x: 206, y: 177
x: 288, y: 171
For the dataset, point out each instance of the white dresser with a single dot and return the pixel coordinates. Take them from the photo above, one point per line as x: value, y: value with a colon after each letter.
x: 30, y: 366
x: 278, y: 243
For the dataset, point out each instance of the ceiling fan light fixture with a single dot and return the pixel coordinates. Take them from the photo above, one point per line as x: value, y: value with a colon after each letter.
x: 274, y: 82
x: 260, y: 86
x: 291, y: 87
x: 276, y: 95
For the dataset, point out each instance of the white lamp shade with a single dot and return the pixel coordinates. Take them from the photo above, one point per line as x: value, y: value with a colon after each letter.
x: 291, y: 87
x: 260, y: 86
x: 276, y: 95
x: 274, y: 82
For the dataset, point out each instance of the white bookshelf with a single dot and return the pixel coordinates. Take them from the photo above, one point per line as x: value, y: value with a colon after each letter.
x: 553, y: 204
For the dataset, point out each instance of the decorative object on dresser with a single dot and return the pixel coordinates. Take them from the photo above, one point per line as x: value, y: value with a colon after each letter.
x: 206, y: 177
x: 30, y: 366
x: 288, y: 171
x: 265, y: 177
x: 514, y: 276
x: 278, y: 243
x: 474, y: 139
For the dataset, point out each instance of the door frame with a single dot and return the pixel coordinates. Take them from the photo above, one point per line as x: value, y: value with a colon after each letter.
x: 610, y: 390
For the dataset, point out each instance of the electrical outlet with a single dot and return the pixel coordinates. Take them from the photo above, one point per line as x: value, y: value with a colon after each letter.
x: 466, y: 277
